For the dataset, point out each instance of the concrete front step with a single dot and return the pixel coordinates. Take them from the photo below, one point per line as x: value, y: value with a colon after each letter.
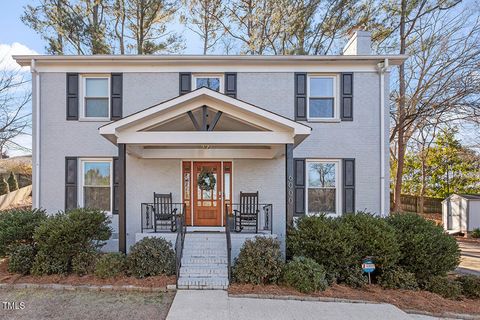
x: 203, y: 283
x: 202, y: 260
x: 204, y: 271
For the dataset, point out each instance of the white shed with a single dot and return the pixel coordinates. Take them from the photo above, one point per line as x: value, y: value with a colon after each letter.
x: 461, y: 212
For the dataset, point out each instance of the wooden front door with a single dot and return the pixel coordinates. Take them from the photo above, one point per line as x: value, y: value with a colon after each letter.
x: 207, y: 204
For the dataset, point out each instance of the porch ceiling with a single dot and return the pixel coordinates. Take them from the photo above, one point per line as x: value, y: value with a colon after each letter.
x: 205, y: 124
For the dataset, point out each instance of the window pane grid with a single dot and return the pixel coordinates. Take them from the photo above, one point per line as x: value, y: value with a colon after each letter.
x: 321, y: 97
x: 322, y: 187
x: 96, y: 97
x: 97, y: 185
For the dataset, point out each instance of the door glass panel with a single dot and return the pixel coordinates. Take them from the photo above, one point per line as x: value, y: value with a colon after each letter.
x: 226, y: 190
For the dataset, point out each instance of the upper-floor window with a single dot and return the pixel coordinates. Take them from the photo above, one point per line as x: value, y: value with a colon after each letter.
x: 322, y: 97
x: 96, y: 97
x: 212, y: 81
x: 96, y: 184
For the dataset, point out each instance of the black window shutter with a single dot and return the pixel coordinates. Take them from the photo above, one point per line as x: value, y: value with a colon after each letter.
x: 300, y: 96
x: 346, y: 102
x: 72, y: 96
x: 299, y: 172
x: 231, y: 84
x: 348, y: 186
x: 185, y: 82
x: 116, y: 181
x: 71, y: 186
x: 116, y: 90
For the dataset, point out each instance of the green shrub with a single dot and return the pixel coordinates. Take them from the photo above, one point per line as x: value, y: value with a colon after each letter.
x: 326, y: 241
x: 65, y: 235
x: 18, y: 226
x: 305, y: 275
x: 151, y: 257
x: 259, y: 261
x: 470, y: 286
x: 443, y: 286
x: 397, y: 278
x: 84, y: 262
x: 4, y: 189
x: 475, y: 233
x: 355, y: 277
x: 21, y: 258
x: 340, y: 244
x: 426, y: 250
x: 372, y: 236
x: 110, y: 265
x: 12, y: 182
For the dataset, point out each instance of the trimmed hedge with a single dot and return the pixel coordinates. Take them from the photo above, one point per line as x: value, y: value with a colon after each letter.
x: 259, y: 262
x: 470, y: 286
x: 340, y: 244
x: 21, y: 258
x: 151, y: 257
x: 18, y: 226
x: 84, y: 262
x: 65, y: 235
x: 426, y: 250
x: 398, y: 278
x: 443, y: 286
x: 305, y: 275
x: 110, y: 265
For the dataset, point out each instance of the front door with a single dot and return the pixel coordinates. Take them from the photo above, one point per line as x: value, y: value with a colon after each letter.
x: 207, y: 200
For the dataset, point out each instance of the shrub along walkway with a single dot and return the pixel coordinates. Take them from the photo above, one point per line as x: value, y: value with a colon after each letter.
x: 216, y: 304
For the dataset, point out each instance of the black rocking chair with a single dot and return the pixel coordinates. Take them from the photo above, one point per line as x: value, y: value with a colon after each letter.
x: 247, y: 214
x: 165, y: 214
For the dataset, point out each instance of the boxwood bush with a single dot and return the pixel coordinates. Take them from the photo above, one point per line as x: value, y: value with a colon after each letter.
x: 398, y: 278
x: 110, y: 265
x: 443, y: 286
x: 259, y: 261
x: 340, y: 244
x: 305, y: 275
x: 21, y: 258
x: 425, y: 249
x: 84, y: 262
x: 18, y: 226
x: 470, y: 286
x: 65, y: 235
x: 151, y: 257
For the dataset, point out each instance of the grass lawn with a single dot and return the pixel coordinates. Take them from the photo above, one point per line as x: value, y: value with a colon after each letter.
x: 58, y: 304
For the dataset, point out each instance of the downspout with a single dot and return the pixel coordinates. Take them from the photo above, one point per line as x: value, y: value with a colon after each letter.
x: 36, y: 187
x: 382, y: 68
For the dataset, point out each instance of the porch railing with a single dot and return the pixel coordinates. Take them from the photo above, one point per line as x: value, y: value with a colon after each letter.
x: 181, y: 230
x: 158, y: 217
x: 259, y: 222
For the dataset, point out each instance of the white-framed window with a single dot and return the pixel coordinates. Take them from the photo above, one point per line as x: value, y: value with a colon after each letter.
x: 95, y: 100
x: 323, y: 102
x: 212, y: 81
x: 323, y: 187
x: 96, y: 179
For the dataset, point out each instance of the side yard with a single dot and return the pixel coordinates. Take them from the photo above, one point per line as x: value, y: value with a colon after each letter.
x: 85, y: 305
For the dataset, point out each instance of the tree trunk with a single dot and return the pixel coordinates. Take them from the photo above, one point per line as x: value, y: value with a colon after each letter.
x: 401, y: 116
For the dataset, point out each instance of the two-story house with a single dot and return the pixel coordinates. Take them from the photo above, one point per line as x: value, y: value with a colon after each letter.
x: 251, y: 142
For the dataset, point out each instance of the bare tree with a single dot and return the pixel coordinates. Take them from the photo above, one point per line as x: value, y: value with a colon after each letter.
x: 15, y: 118
x: 202, y: 18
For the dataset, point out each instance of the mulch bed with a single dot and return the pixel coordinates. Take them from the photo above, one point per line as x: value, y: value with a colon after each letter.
x: 150, y: 282
x: 404, y: 299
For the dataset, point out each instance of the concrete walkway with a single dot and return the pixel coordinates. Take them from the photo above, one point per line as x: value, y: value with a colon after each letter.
x: 216, y: 304
x: 470, y: 258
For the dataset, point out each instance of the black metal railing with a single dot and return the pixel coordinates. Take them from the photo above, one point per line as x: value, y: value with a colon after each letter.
x: 181, y: 230
x: 229, y: 244
x: 253, y: 221
x: 158, y: 217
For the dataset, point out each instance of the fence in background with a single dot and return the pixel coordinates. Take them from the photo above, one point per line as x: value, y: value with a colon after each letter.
x: 412, y: 204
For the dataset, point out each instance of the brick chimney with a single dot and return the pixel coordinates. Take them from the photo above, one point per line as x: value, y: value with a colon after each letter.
x: 360, y: 43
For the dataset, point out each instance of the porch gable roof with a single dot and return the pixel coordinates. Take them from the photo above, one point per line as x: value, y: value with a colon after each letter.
x: 136, y: 128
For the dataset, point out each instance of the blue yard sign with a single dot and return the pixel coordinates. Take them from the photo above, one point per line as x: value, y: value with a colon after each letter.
x: 368, y: 267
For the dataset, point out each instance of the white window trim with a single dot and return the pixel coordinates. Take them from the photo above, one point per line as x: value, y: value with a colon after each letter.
x: 83, y: 91
x: 336, y: 98
x: 207, y: 75
x: 338, y: 185
x: 82, y: 180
